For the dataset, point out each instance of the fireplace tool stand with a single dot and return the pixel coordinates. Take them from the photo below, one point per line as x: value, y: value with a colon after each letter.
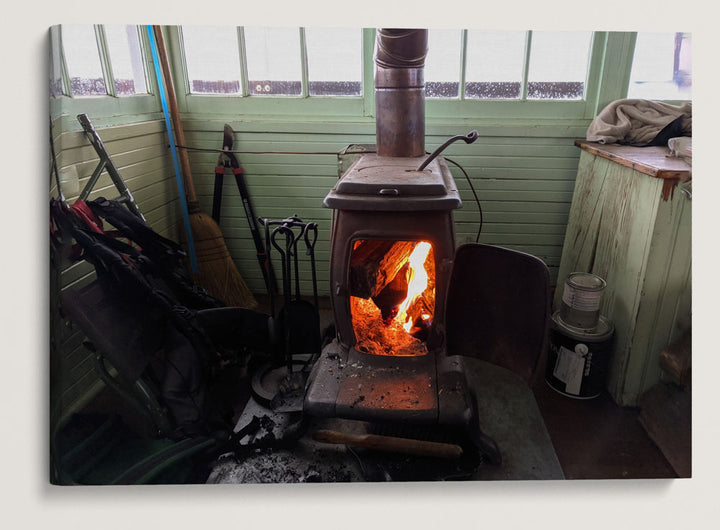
x: 295, y: 327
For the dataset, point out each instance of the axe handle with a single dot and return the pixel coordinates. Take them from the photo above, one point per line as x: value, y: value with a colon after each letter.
x: 390, y: 444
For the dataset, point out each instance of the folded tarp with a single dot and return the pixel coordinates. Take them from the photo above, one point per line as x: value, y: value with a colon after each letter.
x: 640, y: 122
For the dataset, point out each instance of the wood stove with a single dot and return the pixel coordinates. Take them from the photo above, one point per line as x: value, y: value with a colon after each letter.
x: 392, y: 249
x: 388, y: 361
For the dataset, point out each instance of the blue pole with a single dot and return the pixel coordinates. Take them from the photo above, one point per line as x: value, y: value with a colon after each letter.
x: 173, y: 150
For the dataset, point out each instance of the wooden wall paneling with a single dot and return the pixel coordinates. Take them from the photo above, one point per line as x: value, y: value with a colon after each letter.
x: 523, y: 181
x: 664, y: 299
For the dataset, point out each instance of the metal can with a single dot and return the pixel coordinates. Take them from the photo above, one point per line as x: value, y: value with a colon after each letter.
x: 578, y: 360
x: 581, y: 299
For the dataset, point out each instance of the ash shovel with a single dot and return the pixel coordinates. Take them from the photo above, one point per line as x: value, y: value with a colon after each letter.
x: 298, y: 320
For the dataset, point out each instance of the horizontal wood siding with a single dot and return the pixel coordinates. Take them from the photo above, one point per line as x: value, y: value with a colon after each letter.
x: 524, y: 182
x: 140, y: 152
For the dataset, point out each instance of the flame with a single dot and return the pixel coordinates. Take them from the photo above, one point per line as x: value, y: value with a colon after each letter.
x: 417, y: 278
x: 394, y: 327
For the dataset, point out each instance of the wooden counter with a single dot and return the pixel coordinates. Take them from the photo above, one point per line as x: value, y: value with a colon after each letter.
x: 627, y: 226
x: 654, y: 161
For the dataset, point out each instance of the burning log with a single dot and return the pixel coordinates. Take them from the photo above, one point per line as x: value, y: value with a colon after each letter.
x: 375, y: 263
x: 377, y: 338
x: 396, y: 319
x: 389, y: 299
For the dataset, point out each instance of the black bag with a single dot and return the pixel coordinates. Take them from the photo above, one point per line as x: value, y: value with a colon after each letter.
x: 143, y: 315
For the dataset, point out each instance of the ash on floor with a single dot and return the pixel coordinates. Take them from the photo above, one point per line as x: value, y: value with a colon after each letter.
x: 281, y: 466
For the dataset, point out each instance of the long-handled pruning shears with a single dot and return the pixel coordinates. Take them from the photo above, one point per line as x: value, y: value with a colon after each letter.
x: 228, y: 160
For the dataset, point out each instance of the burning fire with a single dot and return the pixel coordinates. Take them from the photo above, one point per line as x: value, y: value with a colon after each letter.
x: 393, y: 296
x: 417, y: 278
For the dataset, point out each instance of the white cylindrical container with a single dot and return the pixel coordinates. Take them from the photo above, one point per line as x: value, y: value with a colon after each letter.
x: 581, y: 298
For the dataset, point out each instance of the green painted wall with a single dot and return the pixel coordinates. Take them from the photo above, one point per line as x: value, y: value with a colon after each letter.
x: 524, y: 184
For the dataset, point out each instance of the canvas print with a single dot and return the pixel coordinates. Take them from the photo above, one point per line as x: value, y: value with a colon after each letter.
x: 343, y: 255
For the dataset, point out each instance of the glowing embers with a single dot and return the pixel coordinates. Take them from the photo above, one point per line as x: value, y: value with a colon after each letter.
x: 392, y: 302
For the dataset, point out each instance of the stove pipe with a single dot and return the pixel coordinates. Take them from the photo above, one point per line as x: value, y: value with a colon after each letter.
x: 399, y: 92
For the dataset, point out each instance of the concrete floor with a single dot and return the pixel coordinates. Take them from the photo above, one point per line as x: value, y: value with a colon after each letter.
x: 597, y: 439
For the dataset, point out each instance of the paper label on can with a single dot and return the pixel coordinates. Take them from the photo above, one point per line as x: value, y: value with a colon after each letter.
x: 570, y: 366
x: 581, y: 300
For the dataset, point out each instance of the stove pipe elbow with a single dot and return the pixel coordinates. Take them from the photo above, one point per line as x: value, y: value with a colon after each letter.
x: 400, y: 92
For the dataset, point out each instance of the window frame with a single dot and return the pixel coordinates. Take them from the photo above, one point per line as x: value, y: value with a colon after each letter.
x: 608, y: 75
x: 272, y: 105
x: 110, y: 104
x: 601, y: 87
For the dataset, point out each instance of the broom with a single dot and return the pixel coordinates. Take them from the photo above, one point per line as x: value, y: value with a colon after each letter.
x: 216, y: 271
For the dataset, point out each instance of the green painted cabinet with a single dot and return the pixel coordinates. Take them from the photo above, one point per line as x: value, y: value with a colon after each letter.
x: 630, y: 223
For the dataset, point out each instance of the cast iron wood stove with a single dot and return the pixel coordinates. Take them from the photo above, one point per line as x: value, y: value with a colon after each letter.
x: 392, y: 249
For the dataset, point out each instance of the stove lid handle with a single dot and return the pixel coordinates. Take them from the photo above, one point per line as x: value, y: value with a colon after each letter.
x: 467, y: 138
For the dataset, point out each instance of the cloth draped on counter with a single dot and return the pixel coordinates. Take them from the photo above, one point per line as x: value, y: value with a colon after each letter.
x: 640, y: 122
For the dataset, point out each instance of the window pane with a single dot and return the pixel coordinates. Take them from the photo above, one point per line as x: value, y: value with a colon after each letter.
x: 558, y: 64
x: 126, y: 59
x: 442, y: 65
x: 83, y: 60
x: 334, y: 61
x: 662, y: 67
x: 273, y: 60
x: 212, y: 58
x: 494, y: 64
x: 55, y: 63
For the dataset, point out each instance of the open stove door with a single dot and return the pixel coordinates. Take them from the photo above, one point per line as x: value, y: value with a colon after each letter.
x: 498, y: 308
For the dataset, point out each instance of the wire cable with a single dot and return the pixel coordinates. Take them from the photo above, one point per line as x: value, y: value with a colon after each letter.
x: 238, y: 152
x: 477, y: 201
x: 212, y: 150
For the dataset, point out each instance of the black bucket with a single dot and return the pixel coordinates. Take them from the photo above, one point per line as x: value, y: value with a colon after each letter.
x: 578, y: 359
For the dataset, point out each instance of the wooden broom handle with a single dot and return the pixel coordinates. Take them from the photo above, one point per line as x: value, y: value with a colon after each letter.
x: 175, y: 115
x: 390, y: 443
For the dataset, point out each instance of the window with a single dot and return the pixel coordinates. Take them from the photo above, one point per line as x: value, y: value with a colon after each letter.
x: 82, y: 57
x: 661, y: 67
x: 334, y: 61
x: 97, y: 60
x: 125, y: 54
x: 56, y: 75
x: 476, y: 74
x: 461, y: 64
x: 558, y: 64
x: 261, y: 61
x: 507, y: 65
x: 443, y: 64
x: 495, y: 64
x: 273, y: 58
x: 212, y: 59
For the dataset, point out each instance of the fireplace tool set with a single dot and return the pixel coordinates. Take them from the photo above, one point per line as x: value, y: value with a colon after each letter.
x: 294, y: 326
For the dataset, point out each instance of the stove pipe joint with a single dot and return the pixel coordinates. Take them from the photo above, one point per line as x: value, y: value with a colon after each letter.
x: 399, y: 92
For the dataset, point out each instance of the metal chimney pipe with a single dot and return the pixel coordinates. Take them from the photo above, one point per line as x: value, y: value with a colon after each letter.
x: 400, y: 91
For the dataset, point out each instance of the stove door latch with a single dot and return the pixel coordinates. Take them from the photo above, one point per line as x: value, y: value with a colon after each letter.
x: 340, y: 289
